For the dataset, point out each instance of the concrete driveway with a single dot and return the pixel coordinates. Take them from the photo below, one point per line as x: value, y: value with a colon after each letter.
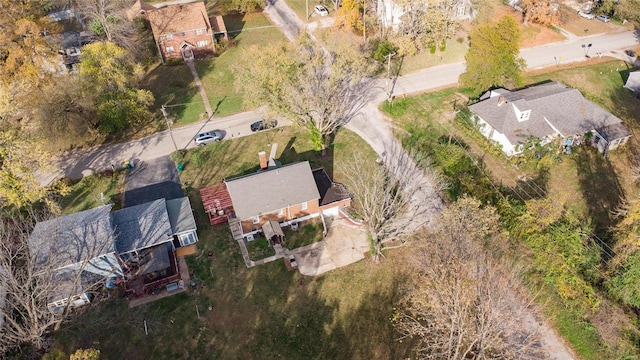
x: 344, y: 244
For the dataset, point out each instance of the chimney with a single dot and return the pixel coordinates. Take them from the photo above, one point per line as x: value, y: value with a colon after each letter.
x: 501, y: 100
x: 263, y: 159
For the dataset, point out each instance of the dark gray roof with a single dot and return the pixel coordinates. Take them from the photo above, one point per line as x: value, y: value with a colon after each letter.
x: 329, y: 191
x: 180, y: 215
x: 72, y: 238
x: 613, y: 132
x: 141, y: 226
x: 70, y: 283
x: 271, y: 190
x: 564, y: 109
x: 154, y: 259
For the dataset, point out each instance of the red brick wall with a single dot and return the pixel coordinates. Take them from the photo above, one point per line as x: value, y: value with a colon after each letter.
x: 295, y: 211
x: 189, y: 37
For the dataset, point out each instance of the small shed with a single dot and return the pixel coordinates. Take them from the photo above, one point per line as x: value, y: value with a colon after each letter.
x: 217, y: 203
x: 219, y: 27
x: 273, y: 232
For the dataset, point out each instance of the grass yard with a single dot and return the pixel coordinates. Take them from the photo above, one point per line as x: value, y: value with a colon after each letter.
x: 259, y: 249
x: 309, y: 233
x: 173, y: 85
x: 85, y: 193
x: 216, y: 75
x: 208, y: 165
x: 454, y: 52
x: 265, y: 312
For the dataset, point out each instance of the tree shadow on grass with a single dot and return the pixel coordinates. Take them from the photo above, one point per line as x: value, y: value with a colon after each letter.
x: 600, y: 187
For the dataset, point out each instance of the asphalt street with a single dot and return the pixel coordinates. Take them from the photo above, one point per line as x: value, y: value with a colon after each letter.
x: 81, y: 162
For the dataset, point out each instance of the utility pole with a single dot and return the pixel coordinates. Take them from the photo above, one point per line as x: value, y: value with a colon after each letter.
x: 364, y: 20
x: 166, y: 118
x: 388, y: 57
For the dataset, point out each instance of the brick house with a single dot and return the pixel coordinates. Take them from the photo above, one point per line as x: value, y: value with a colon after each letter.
x: 182, y: 31
x: 285, y: 194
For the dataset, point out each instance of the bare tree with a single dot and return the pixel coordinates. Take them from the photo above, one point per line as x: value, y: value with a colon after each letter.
x: 107, y: 18
x: 462, y: 302
x: 396, y: 197
x: 319, y: 90
x: 33, y: 274
x: 425, y: 24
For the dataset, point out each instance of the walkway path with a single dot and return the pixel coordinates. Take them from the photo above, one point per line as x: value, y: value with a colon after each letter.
x: 196, y: 80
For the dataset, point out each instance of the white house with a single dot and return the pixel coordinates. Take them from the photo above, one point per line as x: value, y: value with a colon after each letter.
x: 547, y: 111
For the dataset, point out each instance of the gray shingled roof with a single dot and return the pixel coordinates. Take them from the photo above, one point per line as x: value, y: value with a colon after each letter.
x: 138, y: 227
x: 72, y: 238
x: 271, y: 190
x: 613, y: 132
x: 564, y: 108
x: 180, y: 215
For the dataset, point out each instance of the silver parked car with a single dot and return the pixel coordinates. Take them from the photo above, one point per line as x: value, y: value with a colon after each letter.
x: 208, y: 137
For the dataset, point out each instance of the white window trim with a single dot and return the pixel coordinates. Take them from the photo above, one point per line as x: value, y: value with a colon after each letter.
x: 304, y: 206
x: 280, y: 212
x: 199, y: 31
x: 169, y: 49
x: 202, y: 43
x: 188, y: 238
x: 169, y: 36
x: 256, y: 219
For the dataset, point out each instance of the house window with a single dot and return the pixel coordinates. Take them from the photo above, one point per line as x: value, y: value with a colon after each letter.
x: 303, y: 206
x: 525, y: 115
x: 199, y: 31
x: 202, y: 43
x: 460, y: 11
x: 596, y: 139
x: 183, y: 33
x: 169, y: 49
x: 187, y: 239
x: 256, y: 219
x: 169, y: 36
x: 280, y: 212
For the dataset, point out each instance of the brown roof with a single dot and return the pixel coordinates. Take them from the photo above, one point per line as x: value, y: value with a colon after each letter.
x: 218, y: 25
x: 178, y: 18
x: 216, y: 199
x: 139, y: 8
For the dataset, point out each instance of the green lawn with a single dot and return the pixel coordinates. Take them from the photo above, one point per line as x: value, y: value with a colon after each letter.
x: 210, y: 164
x: 259, y: 249
x: 454, y: 52
x: 86, y: 193
x: 173, y: 86
x: 265, y: 312
x: 306, y: 234
x: 216, y: 75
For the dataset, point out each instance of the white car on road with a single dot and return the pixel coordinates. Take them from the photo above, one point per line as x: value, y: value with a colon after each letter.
x: 321, y: 10
x: 208, y: 137
x: 588, y: 16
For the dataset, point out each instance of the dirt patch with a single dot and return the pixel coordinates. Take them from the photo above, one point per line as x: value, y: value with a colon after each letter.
x: 614, y: 327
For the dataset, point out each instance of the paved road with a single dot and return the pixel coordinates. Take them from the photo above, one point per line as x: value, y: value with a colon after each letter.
x: 78, y: 163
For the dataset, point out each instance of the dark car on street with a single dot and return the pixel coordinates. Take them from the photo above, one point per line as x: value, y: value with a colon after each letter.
x: 263, y: 125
